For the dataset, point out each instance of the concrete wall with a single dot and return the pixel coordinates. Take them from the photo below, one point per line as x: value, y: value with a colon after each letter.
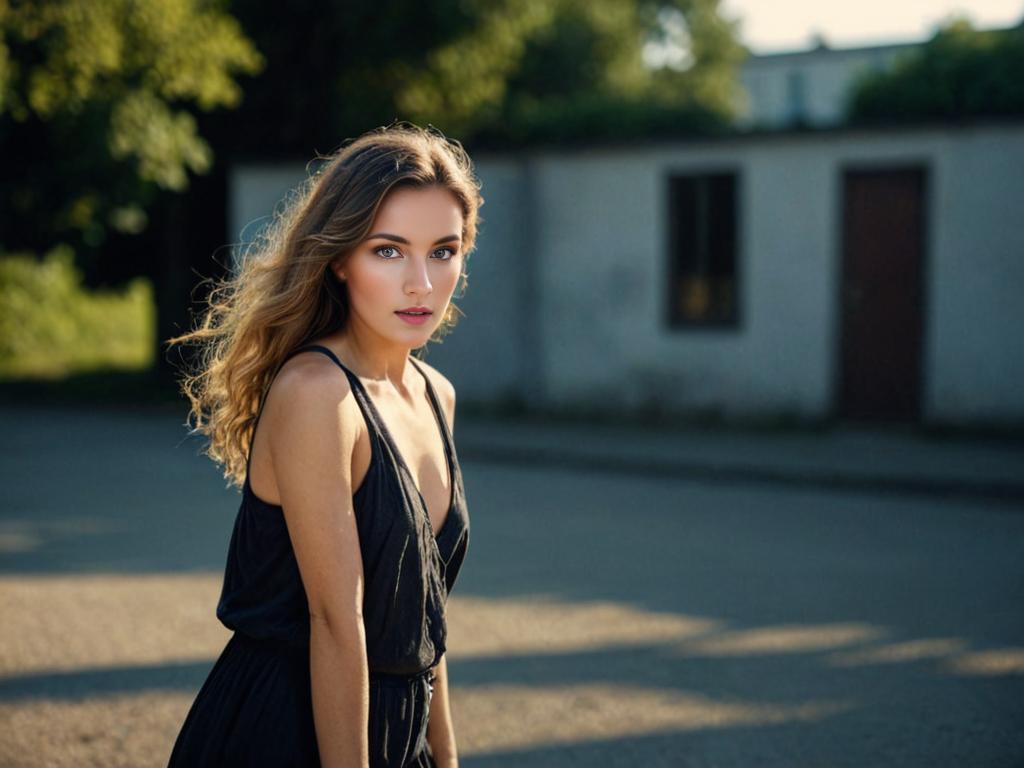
x: 566, y: 302
x: 255, y: 190
x: 600, y: 228
x: 488, y: 356
x: 604, y: 259
x: 976, y: 322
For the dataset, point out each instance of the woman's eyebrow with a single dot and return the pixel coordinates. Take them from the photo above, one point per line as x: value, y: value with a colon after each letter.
x: 400, y: 239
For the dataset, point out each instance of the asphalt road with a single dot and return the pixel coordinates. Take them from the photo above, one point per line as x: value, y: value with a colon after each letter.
x: 600, y: 620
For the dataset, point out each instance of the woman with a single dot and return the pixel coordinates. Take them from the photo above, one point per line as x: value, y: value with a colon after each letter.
x: 352, y: 526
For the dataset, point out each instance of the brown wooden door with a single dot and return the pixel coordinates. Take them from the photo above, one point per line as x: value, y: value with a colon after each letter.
x: 882, y: 294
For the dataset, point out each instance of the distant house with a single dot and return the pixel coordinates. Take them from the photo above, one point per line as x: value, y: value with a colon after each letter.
x: 865, y: 274
x: 808, y: 87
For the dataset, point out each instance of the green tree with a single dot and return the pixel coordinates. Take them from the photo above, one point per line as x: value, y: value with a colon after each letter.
x: 960, y: 73
x: 484, y: 70
x: 336, y: 69
x: 607, y: 69
x: 96, y: 100
x: 577, y: 69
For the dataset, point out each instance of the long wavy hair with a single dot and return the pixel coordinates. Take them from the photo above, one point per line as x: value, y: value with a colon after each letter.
x: 283, y: 293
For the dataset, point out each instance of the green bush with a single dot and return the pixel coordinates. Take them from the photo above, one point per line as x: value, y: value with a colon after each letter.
x: 52, y: 326
x: 960, y: 73
x: 600, y: 117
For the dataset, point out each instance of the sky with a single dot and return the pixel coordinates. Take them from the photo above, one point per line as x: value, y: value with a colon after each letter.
x: 768, y: 26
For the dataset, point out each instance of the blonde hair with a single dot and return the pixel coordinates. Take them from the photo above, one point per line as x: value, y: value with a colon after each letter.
x: 284, y: 293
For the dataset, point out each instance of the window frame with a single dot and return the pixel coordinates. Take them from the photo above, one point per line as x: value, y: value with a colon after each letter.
x: 673, y: 319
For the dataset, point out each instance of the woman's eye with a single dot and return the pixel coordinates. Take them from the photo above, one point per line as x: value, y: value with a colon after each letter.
x: 391, y: 252
x: 386, y: 251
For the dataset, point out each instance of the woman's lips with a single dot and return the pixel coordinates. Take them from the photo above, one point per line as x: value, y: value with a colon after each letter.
x: 414, y: 319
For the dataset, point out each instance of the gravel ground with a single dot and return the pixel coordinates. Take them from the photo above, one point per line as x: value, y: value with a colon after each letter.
x: 599, y: 620
x: 100, y: 671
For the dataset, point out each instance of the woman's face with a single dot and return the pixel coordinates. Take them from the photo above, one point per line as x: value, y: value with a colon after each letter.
x: 401, y: 278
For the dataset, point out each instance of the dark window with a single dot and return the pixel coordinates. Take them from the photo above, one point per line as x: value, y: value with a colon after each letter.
x: 702, y: 250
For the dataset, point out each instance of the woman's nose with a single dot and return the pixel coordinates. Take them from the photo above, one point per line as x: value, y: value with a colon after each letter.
x: 417, y: 278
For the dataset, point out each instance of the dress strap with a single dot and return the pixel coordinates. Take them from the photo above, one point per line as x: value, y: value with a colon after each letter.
x: 436, y: 405
x: 320, y: 348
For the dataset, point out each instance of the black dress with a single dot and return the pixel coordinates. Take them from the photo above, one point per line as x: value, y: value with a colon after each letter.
x: 255, y: 707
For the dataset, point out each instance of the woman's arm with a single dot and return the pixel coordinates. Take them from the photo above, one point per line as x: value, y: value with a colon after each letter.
x: 314, y: 422
x: 440, y: 731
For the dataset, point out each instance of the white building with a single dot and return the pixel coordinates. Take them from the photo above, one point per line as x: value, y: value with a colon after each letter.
x: 807, y: 87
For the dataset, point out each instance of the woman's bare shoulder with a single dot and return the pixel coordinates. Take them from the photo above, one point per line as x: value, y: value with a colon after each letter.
x: 309, y: 378
x: 310, y: 393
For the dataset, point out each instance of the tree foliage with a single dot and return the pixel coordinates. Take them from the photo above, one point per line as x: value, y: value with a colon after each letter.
x: 95, y: 100
x: 612, y: 70
x: 494, y: 70
x: 961, y: 72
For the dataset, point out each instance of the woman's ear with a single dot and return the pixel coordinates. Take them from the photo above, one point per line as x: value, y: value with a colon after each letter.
x: 338, y: 270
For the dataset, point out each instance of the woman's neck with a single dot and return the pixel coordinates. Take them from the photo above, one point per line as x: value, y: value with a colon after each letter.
x: 371, y: 358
